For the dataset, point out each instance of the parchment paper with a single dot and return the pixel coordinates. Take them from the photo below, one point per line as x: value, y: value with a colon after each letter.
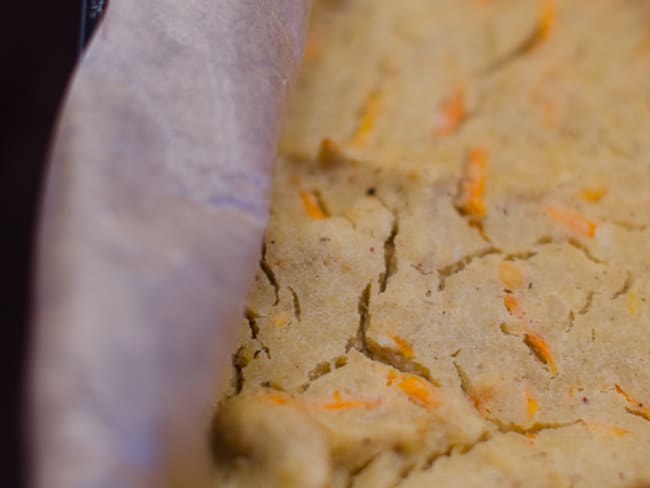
x: 155, y: 205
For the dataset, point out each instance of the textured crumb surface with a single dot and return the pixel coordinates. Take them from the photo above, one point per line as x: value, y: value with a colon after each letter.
x: 454, y: 288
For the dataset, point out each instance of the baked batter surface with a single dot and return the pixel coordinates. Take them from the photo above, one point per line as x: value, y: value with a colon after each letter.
x: 455, y: 282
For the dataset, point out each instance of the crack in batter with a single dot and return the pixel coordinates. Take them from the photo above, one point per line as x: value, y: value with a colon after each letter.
x: 376, y: 352
x: 296, y: 304
x: 359, y: 341
x: 589, y: 298
x: 457, y: 449
x: 251, y: 317
x: 270, y: 275
x: 239, y: 362
x: 628, y: 226
x: 585, y: 250
x: 520, y: 256
x: 467, y: 388
x: 627, y: 284
x: 458, y: 266
x: 588, y: 301
x: 321, y: 369
x: 355, y: 472
x: 390, y: 257
x: 320, y: 202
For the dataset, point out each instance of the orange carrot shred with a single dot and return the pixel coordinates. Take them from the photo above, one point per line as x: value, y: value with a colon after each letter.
x: 311, y: 205
x: 277, y: 399
x: 512, y: 306
x: 453, y: 112
x: 531, y: 403
x: 480, y: 397
x: 417, y: 390
x: 329, y: 153
x: 469, y: 200
x: 572, y: 220
x: 632, y: 302
x: 312, y: 47
x: 403, y: 346
x: 509, y: 275
x: 547, y: 17
x: 370, y: 113
x: 339, y: 403
x: 622, y: 392
x: 593, y: 195
x: 618, y: 431
x: 315, y: 41
x: 614, y: 430
x: 534, y: 341
x: 391, y: 377
x: 540, y: 348
x: 545, y: 23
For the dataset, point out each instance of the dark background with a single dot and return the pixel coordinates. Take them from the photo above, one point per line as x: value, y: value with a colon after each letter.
x: 39, y: 42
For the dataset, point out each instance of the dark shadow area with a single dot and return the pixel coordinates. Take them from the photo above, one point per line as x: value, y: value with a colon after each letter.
x: 39, y: 42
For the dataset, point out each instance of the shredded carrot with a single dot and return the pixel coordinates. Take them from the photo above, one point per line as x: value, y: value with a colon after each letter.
x: 614, y: 430
x: 541, y: 350
x: 509, y: 275
x: 280, y: 319
x: 312, y: 48
x: 314, y: 42
x: 330, y: 153
x: 593, y: 194
x: 622, y: 392
x: 643, y: 412
x: 572, y: 220
x: 371, y: 110
x: 277, y: 399
x: 469, y: 200
x: 533, y: 340
x: 512, y: 305
x: 530, y: 438
x: 391, y: 377
x: 531, y: 403
x: 545, y: 23
x: 636, y: 407
x: 403, y: 346
x: 339, y: 403
x: 311, y: 205
x: 453, y: 111
x: 418, y: 390
x: 480, y: 397
x: 547, y: 16
x: 632, y: 302
x: 618, y: 431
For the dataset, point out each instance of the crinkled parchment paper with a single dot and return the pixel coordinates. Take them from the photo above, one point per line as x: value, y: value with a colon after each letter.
x: 152, y: 219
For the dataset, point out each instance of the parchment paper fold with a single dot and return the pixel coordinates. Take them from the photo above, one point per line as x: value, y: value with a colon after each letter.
x: 152, y: 220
